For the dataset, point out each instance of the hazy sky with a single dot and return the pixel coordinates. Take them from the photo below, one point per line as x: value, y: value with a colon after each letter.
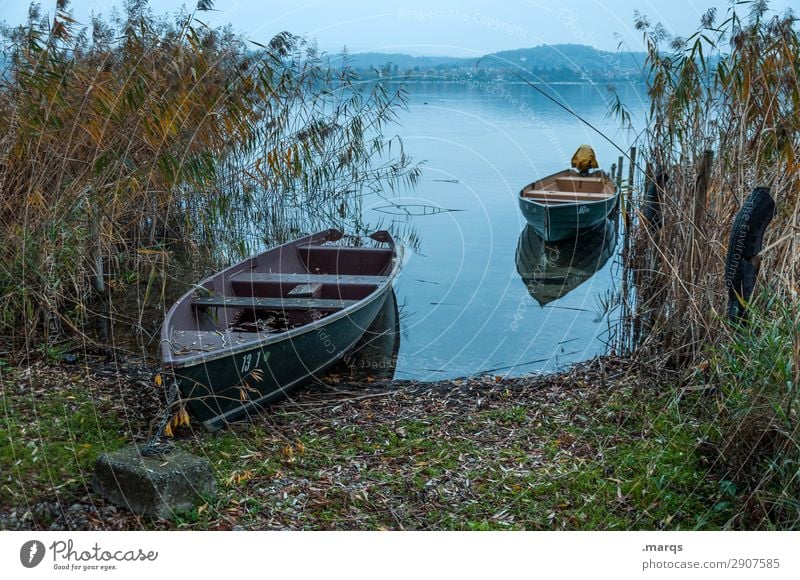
x: 431, y: 27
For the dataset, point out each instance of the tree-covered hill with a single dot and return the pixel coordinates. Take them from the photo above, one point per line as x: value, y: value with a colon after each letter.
x: 561, y: 62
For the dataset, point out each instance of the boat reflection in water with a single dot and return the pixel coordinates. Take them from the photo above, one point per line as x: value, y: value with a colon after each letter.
x: 375, y: 355
x: 552, y: 269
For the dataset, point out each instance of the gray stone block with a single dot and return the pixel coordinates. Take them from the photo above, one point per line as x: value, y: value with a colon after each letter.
x: 153, y: 485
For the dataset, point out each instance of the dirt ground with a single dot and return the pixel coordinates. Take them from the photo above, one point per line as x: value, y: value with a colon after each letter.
x: 573, y: 450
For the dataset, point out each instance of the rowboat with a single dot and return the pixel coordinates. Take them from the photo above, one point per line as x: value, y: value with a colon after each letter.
x: 254, y: 332
x: 551, y: 270
x: 561, y: 205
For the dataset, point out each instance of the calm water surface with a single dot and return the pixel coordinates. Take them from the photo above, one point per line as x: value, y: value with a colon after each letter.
x: 463, y: 295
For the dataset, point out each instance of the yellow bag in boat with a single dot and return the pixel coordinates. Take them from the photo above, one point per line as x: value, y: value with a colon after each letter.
x: 584, y: 159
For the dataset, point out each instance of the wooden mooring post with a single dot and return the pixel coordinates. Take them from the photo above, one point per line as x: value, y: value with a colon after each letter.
x: 701, y: 190
x: 632, y: 168
x: 698, y: 212
x: 652, y: 210
x: 627, y: 195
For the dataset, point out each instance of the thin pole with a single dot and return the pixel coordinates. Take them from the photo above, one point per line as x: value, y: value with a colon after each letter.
x: 632, y: 168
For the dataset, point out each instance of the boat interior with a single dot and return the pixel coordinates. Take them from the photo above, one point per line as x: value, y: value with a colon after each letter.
x: 296, y: 285
x: 570, y: 187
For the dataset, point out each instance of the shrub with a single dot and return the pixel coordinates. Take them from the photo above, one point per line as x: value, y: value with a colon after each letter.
x: 731, y: 88
x: 144, y: 139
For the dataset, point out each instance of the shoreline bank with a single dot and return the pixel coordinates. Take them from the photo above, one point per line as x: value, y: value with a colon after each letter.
x: 593, y: 447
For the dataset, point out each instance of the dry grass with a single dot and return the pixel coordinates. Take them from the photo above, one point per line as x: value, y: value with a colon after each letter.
x: 590, y: 449
x: 145, y: 141
x: 731, y: 89
x: 727, y: 97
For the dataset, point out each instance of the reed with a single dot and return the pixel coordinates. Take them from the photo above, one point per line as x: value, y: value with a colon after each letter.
x: 724, y: 118
x: 144, y: 142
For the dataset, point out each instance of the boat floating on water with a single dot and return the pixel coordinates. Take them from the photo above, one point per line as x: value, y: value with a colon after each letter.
x: 252, y: 333
x: 563, y: 204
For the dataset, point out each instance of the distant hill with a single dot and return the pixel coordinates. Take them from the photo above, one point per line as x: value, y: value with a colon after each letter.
x: 572, y: 56
x: 565, y: 62
x: 364, y: 60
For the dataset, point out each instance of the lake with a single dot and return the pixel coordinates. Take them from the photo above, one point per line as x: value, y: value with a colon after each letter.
x: 463, y: 295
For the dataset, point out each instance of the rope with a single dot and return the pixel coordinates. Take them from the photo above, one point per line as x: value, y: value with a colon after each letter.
x: 155, y: 446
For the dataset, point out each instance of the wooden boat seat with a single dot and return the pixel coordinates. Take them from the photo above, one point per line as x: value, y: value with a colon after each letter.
x: 580, y: 184
x: 347, y: 260
x: 185, y: 341
x: 281, y: 278
x: 256, y: 303
x: 550, y: 195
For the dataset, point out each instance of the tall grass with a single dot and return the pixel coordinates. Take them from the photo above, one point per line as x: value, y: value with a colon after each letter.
x: 141, y: 139
x: 731, y: 88
x: 727, y: 97
x: 757, y: 415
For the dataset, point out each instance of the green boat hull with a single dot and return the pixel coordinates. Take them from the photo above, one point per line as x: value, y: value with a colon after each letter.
x: 560, y: 222
x: 232, y: 387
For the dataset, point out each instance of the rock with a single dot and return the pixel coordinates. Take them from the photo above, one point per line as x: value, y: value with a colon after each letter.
x: 156, y: 486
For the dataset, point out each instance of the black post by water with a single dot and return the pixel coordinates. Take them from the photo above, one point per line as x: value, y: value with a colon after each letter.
x: 701, y: 190
x: 743, y: 261
x: 632, y: 168
x: 652, y: 209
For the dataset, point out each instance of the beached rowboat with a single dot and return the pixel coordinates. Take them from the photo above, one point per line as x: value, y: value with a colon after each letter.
x: 250, y: 334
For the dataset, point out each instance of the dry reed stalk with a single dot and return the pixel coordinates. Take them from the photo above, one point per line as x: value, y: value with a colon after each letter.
x: 145, y: 135
x: 731, y: 89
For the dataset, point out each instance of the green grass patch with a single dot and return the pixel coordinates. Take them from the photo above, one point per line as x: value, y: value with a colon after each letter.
x: 51, y: 440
